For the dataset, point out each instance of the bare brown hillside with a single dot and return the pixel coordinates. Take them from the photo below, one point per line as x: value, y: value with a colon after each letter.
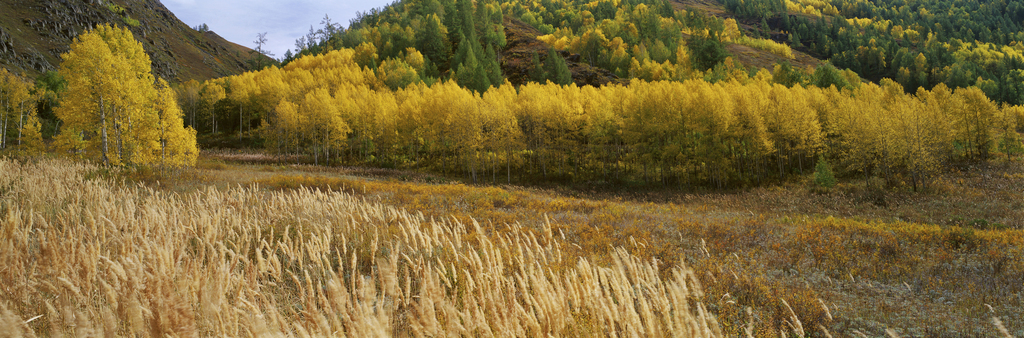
x: 33, y: 34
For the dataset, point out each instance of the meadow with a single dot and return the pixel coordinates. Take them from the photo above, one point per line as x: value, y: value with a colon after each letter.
x: 88, y: 255
x: 243, y: 246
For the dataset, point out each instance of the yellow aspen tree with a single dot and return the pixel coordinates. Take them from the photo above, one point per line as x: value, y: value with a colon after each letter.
x: 324, y: 122
x: 714, y: 118
x: 933, y: 132
x: 313, y: 110
x: 466, y: 127
x: 925, y: 140
x: 538, y: 104
x: 501, y: 129
x: 751, y: 135
x: 395, y: 73
x: 683, y: 67
x: 16, y: 105
x: 571, y: 121
x: 287, y: 120
x: 31, y: 137
x: 1007, y: 124
x: 860, y: 124
x: 731, y: 30
x: 407, y: 130
x: 177, y: 143
x: 110, y: 88
x: 211, y: 93
x: 243, y: 90
x: 384, y: 107
x: 793, y: 125
x: 414, y: 59
x: 898, y: 130
x: 975, y: 120
x: 650, y: 122
x: 273, y: 88
x: 366, y: 55
x: 601, y: 130
x: 189, y: 100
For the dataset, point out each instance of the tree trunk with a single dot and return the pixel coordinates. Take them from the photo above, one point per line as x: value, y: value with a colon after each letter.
x: 3, y: 133
x: 163, y: 146
x: 21, y: 122
x: 103, y: 131
x: 543, y: 166
x: 472, y: 166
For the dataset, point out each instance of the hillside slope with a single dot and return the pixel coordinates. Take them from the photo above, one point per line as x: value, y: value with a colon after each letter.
x: 747, y: 56
x: 33, y: 34
x: 516, y: 58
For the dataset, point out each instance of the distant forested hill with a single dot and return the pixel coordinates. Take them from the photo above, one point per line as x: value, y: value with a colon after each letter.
x: 917, y: 44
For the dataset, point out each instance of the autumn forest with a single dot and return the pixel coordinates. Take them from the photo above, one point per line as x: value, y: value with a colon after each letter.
x: 588, y: 168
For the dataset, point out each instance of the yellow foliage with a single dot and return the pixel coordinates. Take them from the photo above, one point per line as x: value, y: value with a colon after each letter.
x: 111, y: 110
x: 859, y: 22
x: 770, y: 46
x: 17, y: 105
x: 571, y: 133
x: 731, y: 30
x: 414, y: 58
x: 366, y: 55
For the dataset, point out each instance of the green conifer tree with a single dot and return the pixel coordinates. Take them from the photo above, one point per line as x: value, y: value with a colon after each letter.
x: 472, y: 75
x: 492, y: 67
x: 538, y: 74
x: 823, y: 174
x: 557, y: 69
x: 432, y: 42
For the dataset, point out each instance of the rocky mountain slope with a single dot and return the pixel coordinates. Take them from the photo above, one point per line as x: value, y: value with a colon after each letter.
x: 33, y: 34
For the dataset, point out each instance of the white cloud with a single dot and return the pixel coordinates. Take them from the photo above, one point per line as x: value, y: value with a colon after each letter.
x: 284, y: 21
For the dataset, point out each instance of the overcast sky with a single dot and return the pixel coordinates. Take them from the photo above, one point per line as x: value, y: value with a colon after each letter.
x: 283, y: 20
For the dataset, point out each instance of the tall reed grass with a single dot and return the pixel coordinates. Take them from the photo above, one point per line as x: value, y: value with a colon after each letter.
x: 83, y: 255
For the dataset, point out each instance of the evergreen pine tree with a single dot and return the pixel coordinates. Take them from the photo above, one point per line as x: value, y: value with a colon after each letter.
x: 461, y: 53
x: 538, y: 74
x: 823, y: 174
x: 468, y: 23
x: 492, y: 67
x: 472, y: 75
x: 431, y: 42
x: 557, y: 69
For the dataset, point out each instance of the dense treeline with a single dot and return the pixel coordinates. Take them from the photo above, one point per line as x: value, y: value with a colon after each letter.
x: 742, y: 130
x: 918, y: 44
x: 462, y: 40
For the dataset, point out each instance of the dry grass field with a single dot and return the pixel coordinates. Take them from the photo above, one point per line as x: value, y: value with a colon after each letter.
x: 244, y: 246
x: 87, y: 256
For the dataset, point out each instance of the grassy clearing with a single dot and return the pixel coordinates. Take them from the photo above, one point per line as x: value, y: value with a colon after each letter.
x: 92, y: 257
x: 798, y: 259
x: 857, y: 249
x: 931, y: 276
